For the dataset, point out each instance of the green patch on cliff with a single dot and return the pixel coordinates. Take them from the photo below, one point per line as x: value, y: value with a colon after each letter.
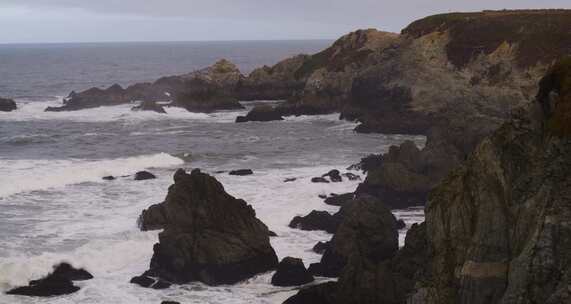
x: 541, y: 36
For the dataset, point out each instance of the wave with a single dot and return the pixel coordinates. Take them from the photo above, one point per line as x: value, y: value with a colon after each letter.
x: 29, y: 175
x: 36, y: 111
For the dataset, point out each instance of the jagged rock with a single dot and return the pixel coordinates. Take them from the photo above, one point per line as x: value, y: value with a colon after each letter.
x: 319, y: 180
x: 149, y: 282
x: 241, y: 172
x: 317, y: 220
x: 261, y: 113
x: 339, y: 199
x: 317, y: 294
x: 144, y: 175
x: 7, y: 105
x: 59, y: 282
x: 321, y: 247
x: 291, y: 272
x: 334, y: 175
x: 368, y: 227
x: 149, y: 105
x: 208, y: 236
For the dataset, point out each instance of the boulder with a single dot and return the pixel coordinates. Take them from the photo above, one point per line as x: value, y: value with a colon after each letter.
x: 261, y: 113
x: 367, y: 227
x: 334, y: 175
x: 318, y: 294
x: 149, y: 282
x: 291, y: 272
x: 319, y: 180
x: 108, y: 178
x: 241, y: 172
x: 339, y: 199
x: 7, y: 105
x: 317, y: 220
x: 144, y: 175
x: 59, y: 282
x: 149, y: 105
x: 209, y: 236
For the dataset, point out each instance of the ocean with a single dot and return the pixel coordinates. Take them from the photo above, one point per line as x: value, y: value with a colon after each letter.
x: 54, y: 205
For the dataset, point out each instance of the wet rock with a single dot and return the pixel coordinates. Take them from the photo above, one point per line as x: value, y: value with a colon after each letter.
x: 261, y: 113
x: 144, y: 175
x: 317, y: 294
x: 108, y: 178
x: 272, y: 234
x: 368, y: 227
x: 169, y: 302
x: 291, y: 272
x: 208, y: 235
x: 401, y: 224
x: 150, y: 106
x: 322, y: 196
x: 321, y: 247
x: 319, y: 180
x: 149, y: 282
x: 241, y: 172
x: 317, y: 220
x: 289, y: 180
x: 59, y: 282
x: 339, y: 199
x: 334, y: 176
x: 7, y: 105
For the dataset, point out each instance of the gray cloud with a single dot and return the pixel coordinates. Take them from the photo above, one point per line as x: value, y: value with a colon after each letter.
x: 238, y: 19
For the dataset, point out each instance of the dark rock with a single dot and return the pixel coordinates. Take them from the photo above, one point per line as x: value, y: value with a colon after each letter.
x: 367, y: 227
x: 272, y: 234
x: 169, y: 302
x: 291, y: 272
x: 241, y: 172
x: 208, y: 235
x: 401, y: 224
x: 351, y: 176
x: 322, y: 196
x: 291, y: 179
x: 317, y: 294
x: 7, y: 105
x: 261, y: 113
x: 149, y: 105
x: 321, y: 247
x: 59, y: 282
x: 317, y: 220
x: 108, y: 178
x: 319, y: 180
x: 144, y: 175
x: 149, y: 282
x: 334, y: 175
x: 339, y: 200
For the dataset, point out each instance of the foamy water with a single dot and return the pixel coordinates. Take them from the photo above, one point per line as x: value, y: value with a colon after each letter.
x: 55, y: 207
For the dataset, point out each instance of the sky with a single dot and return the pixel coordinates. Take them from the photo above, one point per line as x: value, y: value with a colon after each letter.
x: 41, y: 21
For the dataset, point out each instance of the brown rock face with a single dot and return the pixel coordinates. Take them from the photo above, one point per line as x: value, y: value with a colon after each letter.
x: 208, y: 236
x: 498, y: 225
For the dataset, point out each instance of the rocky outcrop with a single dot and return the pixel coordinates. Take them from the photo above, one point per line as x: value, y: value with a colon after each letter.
x: 144, y: 175
x: 149, y: 106
x: 261, y: 113
x: 59, y: 282
x: 368, y: 227
x: 317, y: 220
x: 317, y: 294
x: 208, y: 235
x: 498, y: 225
x: 7, y: 105
x: 205, y: 90
x: 291, y: 272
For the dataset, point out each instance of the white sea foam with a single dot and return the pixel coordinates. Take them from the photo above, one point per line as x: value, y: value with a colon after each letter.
x: 28, y: 175
x: 36, y: 111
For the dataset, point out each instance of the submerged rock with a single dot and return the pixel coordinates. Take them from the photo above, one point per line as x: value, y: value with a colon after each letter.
x: 149, y: 105
x: 241, y: 172
x: 334, y: 175
x: 319, y: 180
x: 59, y: 282
x: 149, y: 282
x: 208, y: 236
x: 261, y: 113
x: 7, y: 105
x: 291, y: 272
x: 144, y: 175
x: 108, y: 178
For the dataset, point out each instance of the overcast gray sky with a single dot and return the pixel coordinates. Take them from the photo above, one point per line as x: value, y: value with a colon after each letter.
x: 183, y: 20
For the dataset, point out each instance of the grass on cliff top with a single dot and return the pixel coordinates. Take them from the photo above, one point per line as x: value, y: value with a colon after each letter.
x: 542, y: 36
